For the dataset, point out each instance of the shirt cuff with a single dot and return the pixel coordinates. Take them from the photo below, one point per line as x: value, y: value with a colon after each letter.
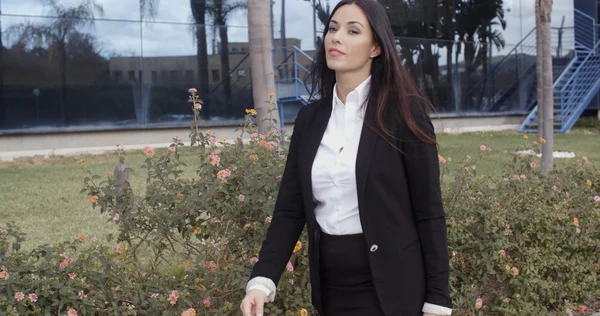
x: 436, y: 309
x: 264, y: 284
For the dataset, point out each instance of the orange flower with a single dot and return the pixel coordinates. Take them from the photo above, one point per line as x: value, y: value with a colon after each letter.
x: 478, y: 303
x: 581, y: 308
x: 507, y: 267
x: 585, y: 159
x: 542, y: 140
x: 4, y: 275
x: 525, y: 136
x: 179, y: 195
x: 93, y: 199
x: 303, y: 312
x: 271, y: 95
x: 251, y: 111
x: 589, y: 182
x: 72, y: 312
x: 81, y: 236
x: 223, y: 138
x: 265, y: 144
x: 197, y: 231
x: 148, y: 151
x: 535, y: 143
x: 515, y: 271
x: 441, y: 159
x: 576, y: 221
x: 254, y: 157
x: 19, y: 296
x: 189, y: 312
x: 298, y: 246
x: 80, y: 161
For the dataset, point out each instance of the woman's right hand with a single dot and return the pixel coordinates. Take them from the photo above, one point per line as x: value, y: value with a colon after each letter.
x: 254, y: 302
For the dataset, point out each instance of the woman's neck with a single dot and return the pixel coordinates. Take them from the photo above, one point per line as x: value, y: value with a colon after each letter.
x: 346, y: 82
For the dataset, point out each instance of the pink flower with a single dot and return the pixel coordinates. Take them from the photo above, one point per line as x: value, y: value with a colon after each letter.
x: 94, y: 239
x: 483, y: 148
x: 515, y: 271
x: 148, y: 151
x: 19, y: 296
x: 597, y: 199
x: 206, y: 301
x: 154, y: 296
x: 253, y: 260
x: 570, y: 312
x: 4, y: 275
x: 198, y: 106
x: 468, y: 158
x: 254, y: 135
x: 81, y: 294
x: 210, y: 132
x: 241, y: 198
x: 224, y: 174
x: 532, y: 164
x: 585, y: 159
x: 172, y: 149
x: 268, y: 219
x: 72, y: 312
x: 291, y: 281
x: 116, y: 217
x: 289, y: 267
x: 192, y: 90
x: 215, y: 160
x: 117, y: 249
x: 72, y: 276
x: 173, y: 297
x: 236, y: 140
x: 33, y: 297
x: 502, y: 252
x: 213, y: 140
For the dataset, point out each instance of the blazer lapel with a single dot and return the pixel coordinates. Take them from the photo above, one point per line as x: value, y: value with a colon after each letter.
x: 366, y: 146
x: 315, y: 135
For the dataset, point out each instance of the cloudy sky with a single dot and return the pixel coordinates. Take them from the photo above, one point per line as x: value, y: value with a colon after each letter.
x: 176, y: 38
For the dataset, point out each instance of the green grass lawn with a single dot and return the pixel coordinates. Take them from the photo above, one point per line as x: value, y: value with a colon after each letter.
x: 43, y: 197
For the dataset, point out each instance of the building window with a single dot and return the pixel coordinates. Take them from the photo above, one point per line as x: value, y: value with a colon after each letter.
x: 189, y: 75
x: 234, y: 50
x: 140, y: 76
x: 118, y: 75
x: 131, y: 75
x: 164, y: 76
x: 215, y: 75
x: 173, y: 75
x: 154, y: 76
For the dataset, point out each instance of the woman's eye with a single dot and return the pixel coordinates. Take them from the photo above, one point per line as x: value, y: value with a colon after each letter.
x: 354, y: 31
x: 331, y: 29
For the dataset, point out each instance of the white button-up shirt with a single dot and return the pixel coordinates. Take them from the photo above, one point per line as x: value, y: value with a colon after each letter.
x: 333, y: 177
x: 333, y: 171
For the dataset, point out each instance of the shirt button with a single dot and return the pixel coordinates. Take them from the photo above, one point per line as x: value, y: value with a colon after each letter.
x: 374, y: 247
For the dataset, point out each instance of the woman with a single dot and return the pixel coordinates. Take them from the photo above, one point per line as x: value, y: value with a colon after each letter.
x: 362, y: 173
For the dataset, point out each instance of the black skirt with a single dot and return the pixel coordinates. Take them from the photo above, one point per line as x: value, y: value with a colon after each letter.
x: 346, y: 283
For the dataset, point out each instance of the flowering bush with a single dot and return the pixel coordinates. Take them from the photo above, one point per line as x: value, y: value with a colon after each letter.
x: 520, y: 244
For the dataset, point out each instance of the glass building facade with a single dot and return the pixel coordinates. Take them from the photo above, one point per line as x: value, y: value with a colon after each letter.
x: 74, y: 66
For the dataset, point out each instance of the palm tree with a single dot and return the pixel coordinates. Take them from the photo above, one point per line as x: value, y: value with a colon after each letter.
x: 261, y: 61
x: 475, y: 20
x: 199, y: 17
x: 219, y: 11
x: 55, y: 34
x: 543, y: 10
x: 2, y: 113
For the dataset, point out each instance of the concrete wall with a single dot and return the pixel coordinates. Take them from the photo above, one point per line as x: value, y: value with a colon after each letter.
x: 42, y: 145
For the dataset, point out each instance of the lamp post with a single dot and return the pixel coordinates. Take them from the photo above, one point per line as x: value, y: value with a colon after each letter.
x: 314, y: 8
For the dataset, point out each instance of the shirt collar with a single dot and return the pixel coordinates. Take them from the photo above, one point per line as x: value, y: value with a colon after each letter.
x: 362, y: 90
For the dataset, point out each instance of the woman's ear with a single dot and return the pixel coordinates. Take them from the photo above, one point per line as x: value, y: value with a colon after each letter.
x: 376, y: 51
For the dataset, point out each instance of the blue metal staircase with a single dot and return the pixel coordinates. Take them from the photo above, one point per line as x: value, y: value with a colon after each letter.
x: 578, y: 83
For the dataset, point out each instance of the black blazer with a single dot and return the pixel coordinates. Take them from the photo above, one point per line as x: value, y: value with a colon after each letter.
x: 400, y: 207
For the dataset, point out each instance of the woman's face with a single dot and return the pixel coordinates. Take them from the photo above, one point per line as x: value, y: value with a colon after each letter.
x: 349, y: 42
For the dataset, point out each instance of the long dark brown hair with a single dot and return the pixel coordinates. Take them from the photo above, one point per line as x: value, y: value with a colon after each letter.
x: 392, y: 88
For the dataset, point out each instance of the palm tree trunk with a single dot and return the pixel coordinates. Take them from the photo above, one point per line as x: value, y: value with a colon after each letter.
x: 199, y: 12
x: 261, y: 52
x: 62, y: 65
x: 547, y: 79
x: 225, y: 67
x: 283, y: 41
x: 2, y: 106
x: 539, y: 70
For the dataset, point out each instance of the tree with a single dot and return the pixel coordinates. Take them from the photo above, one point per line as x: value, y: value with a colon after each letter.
x: 261, y: 60
x: 219, y: 10
x: 55, y: 35
x: 199, y: 17
x: 544, y: 67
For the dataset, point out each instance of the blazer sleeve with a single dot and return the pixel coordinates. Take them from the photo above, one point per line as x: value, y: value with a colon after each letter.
x: 423, y: 178
x: 288, y: 218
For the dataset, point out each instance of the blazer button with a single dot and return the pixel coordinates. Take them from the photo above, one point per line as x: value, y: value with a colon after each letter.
x: 374, y: 248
